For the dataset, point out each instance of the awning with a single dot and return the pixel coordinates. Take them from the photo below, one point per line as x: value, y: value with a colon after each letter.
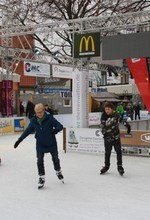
x: 107, y: 100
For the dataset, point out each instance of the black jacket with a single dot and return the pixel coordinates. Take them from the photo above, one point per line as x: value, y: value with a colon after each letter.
x: 30, y: 110
x: 110, y: 125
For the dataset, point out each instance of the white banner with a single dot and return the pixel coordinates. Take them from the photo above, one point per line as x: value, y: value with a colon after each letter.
x: 84, y: 140
x: 80, y: 99
x: 36, y: 69
x: 62, y: 71
x: 94, y: 118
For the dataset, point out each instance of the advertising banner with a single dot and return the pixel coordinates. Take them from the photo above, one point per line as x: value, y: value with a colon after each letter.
x: 84, y: 140
x: 139, y: 70
x: 6, y: 126
x: 80, y: 99
x: 7, y: 98
x: 65, y: 72
x: 12, y: 125
x: 19, y: 124
x: 138, y: 143
x: 94, y: 118
x: 87, y: 45
x: 36, y: 69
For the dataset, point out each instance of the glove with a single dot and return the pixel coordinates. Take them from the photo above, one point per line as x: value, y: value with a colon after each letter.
x: 17, y: 143
x: 55, y: 131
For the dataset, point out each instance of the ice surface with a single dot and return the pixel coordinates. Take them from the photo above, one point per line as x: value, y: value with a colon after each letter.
x: 86, y: 195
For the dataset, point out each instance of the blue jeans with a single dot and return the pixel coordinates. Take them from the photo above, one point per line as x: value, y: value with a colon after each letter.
x: 40, y: 162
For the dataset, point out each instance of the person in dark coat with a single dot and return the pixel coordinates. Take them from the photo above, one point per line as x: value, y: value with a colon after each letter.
x: 110, y: 129
x: 47, y: 109
x: 137, y: 109
x: 45, y: 127
x: 21, y: 109
x: 30, y: 110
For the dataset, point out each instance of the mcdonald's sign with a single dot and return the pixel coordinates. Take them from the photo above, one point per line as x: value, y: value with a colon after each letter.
x: 87, y: 45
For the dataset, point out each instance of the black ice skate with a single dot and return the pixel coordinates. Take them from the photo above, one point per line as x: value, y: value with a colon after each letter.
x: 104, y: 169
x: 60, y: 176
x: 41, y: 182
x: 120, y: 170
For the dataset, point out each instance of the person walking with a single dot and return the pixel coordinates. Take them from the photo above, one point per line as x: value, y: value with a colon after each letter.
x: 120, y: 109
x: 30, y: 109
x: 21, y: 108
x: 45, y: 127
x: 47, y: 109
x: 137, y: 109
x: 110, y: 129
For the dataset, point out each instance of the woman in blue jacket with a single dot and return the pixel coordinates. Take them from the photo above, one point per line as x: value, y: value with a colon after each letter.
x: 45, y: 127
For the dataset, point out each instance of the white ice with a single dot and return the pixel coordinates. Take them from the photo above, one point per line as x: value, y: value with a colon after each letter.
x: 86, y: 195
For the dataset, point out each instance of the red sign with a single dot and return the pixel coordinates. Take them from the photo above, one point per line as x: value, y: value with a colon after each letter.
x: 139, y: 70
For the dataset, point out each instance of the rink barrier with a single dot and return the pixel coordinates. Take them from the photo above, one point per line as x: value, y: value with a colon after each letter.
x: 12, y: 125
x: 90, y: 140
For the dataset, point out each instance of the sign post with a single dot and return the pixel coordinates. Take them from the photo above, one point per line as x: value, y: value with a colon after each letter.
x: 80, y: 99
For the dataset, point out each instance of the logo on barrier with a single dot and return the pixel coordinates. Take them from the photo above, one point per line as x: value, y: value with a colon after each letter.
x: 87, y: 45
x: 97, y: 132
x: 145, y: 137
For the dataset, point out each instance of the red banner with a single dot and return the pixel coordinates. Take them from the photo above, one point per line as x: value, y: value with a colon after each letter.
x: 7, y: 98
x: 139, y: 70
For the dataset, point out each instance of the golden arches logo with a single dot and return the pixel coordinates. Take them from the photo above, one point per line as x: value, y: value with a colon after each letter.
x: 87, y: 41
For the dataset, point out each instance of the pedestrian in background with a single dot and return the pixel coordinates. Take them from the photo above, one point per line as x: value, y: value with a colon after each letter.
x: 137, y: 109
x: 47, y: 109
x: 30, y: 110
x: 120, y: 109
x: 21, y: 109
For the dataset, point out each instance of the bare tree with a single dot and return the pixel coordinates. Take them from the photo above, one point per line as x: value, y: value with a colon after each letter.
x: 37, y: 12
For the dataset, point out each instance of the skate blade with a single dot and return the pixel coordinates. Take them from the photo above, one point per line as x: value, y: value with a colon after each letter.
x: 41, y: 186
x: 62, y: 180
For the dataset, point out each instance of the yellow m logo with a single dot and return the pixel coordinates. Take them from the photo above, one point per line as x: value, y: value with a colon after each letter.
x: 87, y: 41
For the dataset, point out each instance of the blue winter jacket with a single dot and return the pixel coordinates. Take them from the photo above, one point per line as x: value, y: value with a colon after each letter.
x: 44, y: 133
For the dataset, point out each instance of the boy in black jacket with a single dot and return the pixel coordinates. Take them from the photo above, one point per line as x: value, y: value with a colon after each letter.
x: 110, y: 129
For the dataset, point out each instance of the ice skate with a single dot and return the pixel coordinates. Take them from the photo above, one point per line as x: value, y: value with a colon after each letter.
x: 120, y: 170
x: 104, y: 169
x: 41, y: 182
x: 60, y: 176
x: 72, y: 140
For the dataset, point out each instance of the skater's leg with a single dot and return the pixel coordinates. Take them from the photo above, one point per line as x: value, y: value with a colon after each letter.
x: 56, y: 161
x: 57, y: 167
x: 117, y: 147
x: 108, y: 148
x: 41, y: 169
x: 40, y: 163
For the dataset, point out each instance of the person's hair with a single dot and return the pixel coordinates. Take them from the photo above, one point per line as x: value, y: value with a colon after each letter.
x: 109, y: 105
x: 39, y: 106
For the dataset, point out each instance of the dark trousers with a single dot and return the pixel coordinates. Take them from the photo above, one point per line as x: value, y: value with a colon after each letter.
x: 137, y: 114
x: 108, y: 148
x: 40, y: 162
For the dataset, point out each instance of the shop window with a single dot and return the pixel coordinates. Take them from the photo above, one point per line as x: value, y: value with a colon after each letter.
x: 67, y: 103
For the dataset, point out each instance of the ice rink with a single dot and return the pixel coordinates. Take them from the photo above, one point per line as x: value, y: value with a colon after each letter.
x: 86, y: 195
